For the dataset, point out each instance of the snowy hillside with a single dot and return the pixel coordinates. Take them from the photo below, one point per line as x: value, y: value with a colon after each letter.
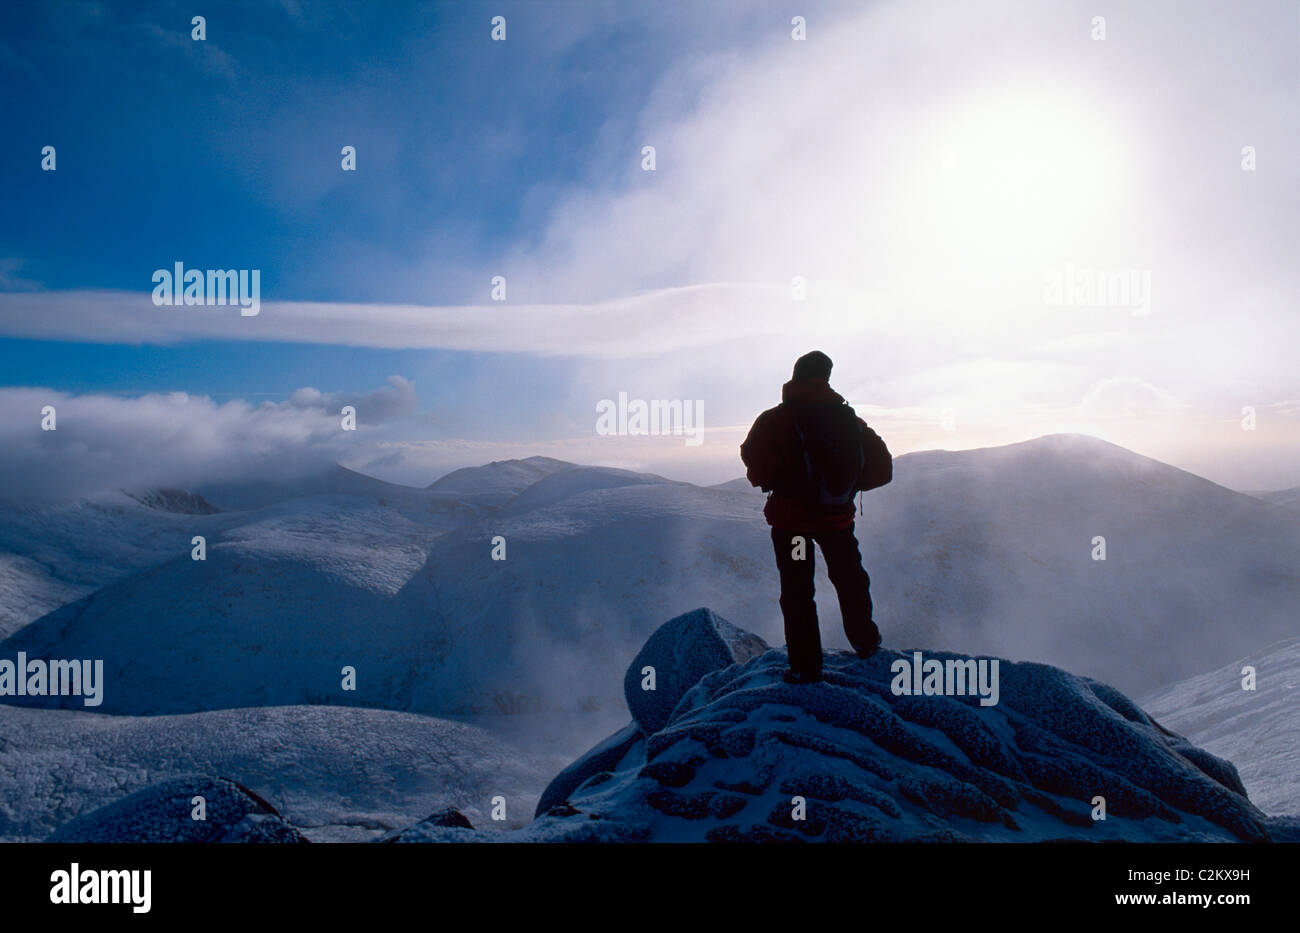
x: 496, y: 483
x: 984, y: 551
x: 990, y: 551
x: 1258, y: 730
x: 429, y: 622
x: 425, y: 507
x: 1290, y: 498
x: 53, y: 555
x: 338, y: 774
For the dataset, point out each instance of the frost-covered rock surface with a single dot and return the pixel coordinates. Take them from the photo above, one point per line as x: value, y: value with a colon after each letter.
x: 677, y: 655
x: 875, y: 767
x: 604, y: 756
x: 448, y: 825
x: 166, y: 813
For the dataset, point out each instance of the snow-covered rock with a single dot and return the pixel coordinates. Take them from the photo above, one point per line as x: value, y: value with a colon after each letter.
x: 449, y: 825
x: 178, y: 501
x: 744, y: 755
x: 166, y: 812
x: 604, y: 756
x: 676, y: 656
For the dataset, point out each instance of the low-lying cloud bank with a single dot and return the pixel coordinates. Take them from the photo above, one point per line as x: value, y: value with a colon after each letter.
x: 101, y: 442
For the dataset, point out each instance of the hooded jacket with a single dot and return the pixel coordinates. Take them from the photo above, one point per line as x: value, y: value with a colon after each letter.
x: 772, y: 453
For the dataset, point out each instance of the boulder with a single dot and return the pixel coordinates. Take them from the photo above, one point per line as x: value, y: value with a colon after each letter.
x: 163, y: 812
x: 605, y: 756
x: 681, y: 651
x: 447, y: 825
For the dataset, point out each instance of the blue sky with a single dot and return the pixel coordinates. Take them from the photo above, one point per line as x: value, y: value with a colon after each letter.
x: 922, y: 165
x: 227, y: 151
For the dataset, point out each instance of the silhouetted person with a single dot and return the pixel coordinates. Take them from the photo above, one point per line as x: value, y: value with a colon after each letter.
x: 814, y: 454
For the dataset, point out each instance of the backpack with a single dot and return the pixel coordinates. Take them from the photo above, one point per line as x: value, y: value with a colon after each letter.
x: 878, y: 466
x: 833, y: 453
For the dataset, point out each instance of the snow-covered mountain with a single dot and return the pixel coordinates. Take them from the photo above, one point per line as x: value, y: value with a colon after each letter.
x: 1290, y: 498
x: 425, y: 507
x: 496, y: 483
x: 1258, y: 729
x: 984, y: 551
x: 991, y: 551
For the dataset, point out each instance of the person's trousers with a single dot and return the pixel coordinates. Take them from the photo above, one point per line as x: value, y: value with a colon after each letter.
x: 852, y: 585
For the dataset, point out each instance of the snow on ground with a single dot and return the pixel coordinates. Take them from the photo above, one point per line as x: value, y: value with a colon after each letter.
x: 1258, y: 730
x: 980, y: 551
x: 336, y: 773
x: 742, y: 757
x: 53, y: 555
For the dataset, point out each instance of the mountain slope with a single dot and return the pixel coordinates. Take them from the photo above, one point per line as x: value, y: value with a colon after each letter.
x: 54, y: 555
x: 991, y: 551
x: 984, y: 551
x: 1258, y: 729
x: 1290, y: 498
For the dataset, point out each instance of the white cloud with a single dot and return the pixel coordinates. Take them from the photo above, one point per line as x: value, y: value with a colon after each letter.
x: 106, y: 442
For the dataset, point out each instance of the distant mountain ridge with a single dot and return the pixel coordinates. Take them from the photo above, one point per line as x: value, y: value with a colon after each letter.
x: 986, y: 551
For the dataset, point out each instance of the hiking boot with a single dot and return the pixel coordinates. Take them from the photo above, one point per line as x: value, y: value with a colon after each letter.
x: 867, y: 650
x: 794, y: 677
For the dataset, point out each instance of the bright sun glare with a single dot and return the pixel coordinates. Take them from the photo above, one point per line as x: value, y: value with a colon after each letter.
x: 1020, y: 176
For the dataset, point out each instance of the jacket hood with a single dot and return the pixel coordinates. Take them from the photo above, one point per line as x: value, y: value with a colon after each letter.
x: 810, y: 392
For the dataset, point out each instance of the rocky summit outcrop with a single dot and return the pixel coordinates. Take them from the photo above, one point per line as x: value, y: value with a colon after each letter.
x: 747, y: 757
x: 670, y: 663
x: 165, y: 812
